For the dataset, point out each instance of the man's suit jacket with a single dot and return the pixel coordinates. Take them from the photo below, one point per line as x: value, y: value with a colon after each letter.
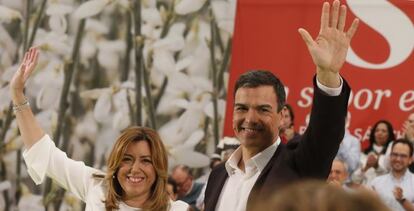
x: 309, y: 157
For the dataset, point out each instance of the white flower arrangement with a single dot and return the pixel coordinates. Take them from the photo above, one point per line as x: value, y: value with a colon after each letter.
x: 86, y: 88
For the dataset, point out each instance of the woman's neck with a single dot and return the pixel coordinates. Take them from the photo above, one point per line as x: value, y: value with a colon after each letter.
x: 137, y: 201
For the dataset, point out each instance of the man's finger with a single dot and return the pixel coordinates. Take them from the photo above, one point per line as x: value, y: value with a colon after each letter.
x: 342, y: 18
x: 335, y: 13
x: 306, y: 37
x: 325, y: 16
x: 352, y: 29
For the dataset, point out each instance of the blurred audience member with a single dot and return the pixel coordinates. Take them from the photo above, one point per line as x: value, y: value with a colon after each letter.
x: 319, y: 196
x: 350, y: 148
x: 408, y: 128
x: 397, y: 187
x: 373, y: 162
x: 188, y: 190
x: 287, y: 130
x: 339, y: 173
x: 172, y: 188
x: 226, y: 147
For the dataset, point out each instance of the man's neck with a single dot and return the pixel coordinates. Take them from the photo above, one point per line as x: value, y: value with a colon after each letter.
x: 398, y: 174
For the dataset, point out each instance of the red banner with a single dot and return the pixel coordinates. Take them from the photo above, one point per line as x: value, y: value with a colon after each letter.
x: 379, y: 65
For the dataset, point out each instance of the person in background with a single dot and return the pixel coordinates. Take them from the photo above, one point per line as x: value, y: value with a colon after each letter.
x: 287, y: 130
x: 397, y: 187
x: 312, y: 195
x: 350, y: 148
x: 188, y: 190
x: 373, y: 160
x: 339, y: 173
x: 172, y: 188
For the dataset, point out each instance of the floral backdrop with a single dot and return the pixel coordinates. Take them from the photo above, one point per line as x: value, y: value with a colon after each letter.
x: 106, y: 65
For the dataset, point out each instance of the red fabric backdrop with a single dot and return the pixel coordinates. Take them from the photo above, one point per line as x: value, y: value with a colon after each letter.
x: 380, y: 71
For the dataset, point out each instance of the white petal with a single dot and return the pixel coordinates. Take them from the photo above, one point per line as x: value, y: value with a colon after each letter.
x: 108, y: 60
x: 188, y: 6
x: 5, y: 185
x: 116, y: 46
x: 103, y: 107
x: 149, y: 3
x: 90, y: 8
x: 180, y: 81
x: 48, y: 96
x: 5, y: 99
x: 58, y: 9
x: 31, y: 202
x: 177, y: 29
x: 209, y: 109
x: 170, y: 133
x: 58, y: 24
x: 7, y: 42
x: 94, y: 93
x: 152, y: 16
x: 200, y: 66
x: 164, y: 61
x: 184, y: 63
x: 87, y: 128
x: 172, y: 43
x: 7, y: 14
x: 121, y: 121
x: 96, y: 26
x: 194, y: 139
x: 190, y: 158
x: 181, y: 103
x: 88, y: 49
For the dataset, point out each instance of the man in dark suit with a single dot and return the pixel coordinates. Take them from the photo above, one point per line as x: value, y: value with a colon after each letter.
x: 262, y: 165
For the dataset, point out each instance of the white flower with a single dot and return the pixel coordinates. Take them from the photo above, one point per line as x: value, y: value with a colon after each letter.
x: 103, y: 108
x: 209, y: 109
x: 188, y: 157
x: 58, y: 9
x: 90, y: 8
x: 49, y: 95
x: 151, y: 16
x: 164, y: 61
x: 7, y: 14
x: 170, y: 43
x: 188, y: 6
x: 121, y: 120
x: 31, y: 202
x: 95, y: 26
x: 224, y: 13
x: 8, y: 47
x: 87, y: 128
x: 58, y: 23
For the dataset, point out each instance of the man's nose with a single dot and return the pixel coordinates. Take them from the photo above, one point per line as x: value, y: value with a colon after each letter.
x: 251, y: 116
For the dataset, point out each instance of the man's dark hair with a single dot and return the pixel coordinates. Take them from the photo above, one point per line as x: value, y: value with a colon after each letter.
x: 256, y: 78
x: 184, y: 168
x: 405, y: 142
x: 172, y: 182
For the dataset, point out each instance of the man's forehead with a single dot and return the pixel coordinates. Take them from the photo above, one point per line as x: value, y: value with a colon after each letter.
x: 401, y: 148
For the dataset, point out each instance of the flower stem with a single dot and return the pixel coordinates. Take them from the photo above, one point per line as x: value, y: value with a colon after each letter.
x: 214, y: 79
x: 138, y: 45
x: 37, y: 22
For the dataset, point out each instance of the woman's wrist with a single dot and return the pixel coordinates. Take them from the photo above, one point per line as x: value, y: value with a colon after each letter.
x: 18, y: 98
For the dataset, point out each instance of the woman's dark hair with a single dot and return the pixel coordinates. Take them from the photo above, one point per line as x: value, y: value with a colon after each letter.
x: 391, y: 136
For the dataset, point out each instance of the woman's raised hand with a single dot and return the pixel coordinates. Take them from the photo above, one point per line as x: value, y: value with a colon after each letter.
x: 23, y: 73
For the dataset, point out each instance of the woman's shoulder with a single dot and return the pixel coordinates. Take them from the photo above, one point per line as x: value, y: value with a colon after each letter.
x: 178, y: 206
